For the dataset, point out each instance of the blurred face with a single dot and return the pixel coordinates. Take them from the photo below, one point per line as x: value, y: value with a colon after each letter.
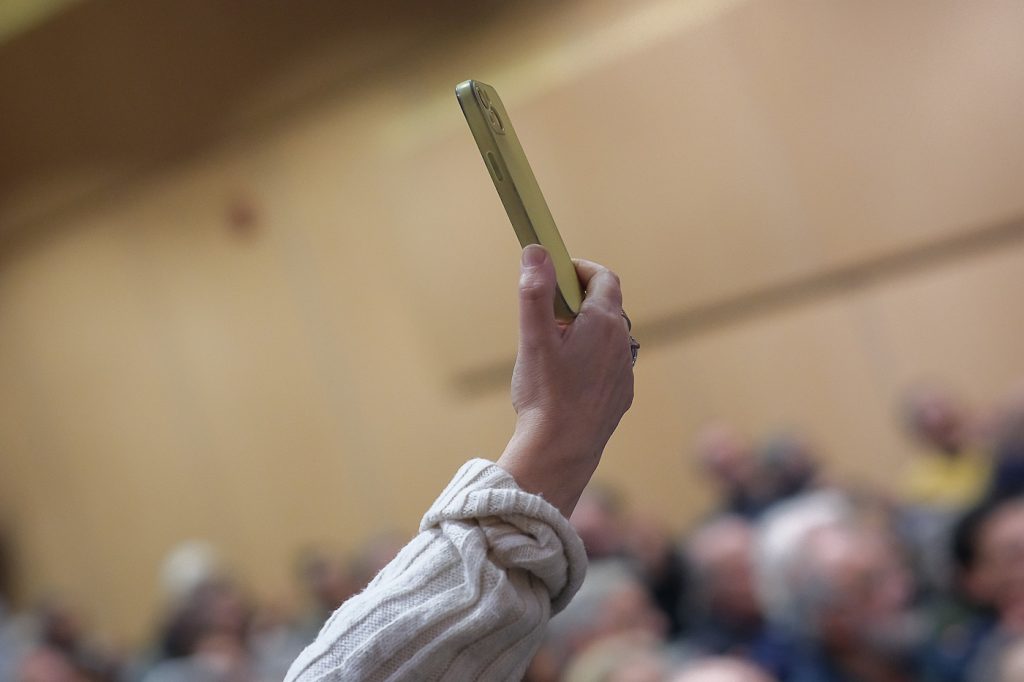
x: 330, y: 585
x: 998, y: 578
x: 725, y: 456
x: 724, y: 554
x: 733, y: 584
x: 939, y: 422
x: 871, y: 588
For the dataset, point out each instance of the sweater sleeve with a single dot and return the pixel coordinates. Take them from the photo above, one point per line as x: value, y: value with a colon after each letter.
x: 467, y: 599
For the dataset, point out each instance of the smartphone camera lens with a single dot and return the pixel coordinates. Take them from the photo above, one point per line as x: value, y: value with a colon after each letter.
x: 496, y: 123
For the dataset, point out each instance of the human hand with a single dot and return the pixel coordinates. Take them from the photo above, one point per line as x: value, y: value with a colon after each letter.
x: 571, y: 384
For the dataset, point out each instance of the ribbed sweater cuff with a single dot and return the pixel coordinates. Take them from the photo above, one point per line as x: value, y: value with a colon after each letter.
x: 482, y: 490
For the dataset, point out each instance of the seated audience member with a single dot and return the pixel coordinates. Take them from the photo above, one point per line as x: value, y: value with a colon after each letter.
x: 274, y: 640
x: 206, y: 638
x: 611, y: 603
x: 1008, y: 465
x: 846, y: 610
x: 721, y: 669
x: 939, y: 485
x: 727, y: 459
x: 724, y: 609
x: 469, y: 597
x: 786, y: 466
x: 989, y: 552
x: 953, y: 475
x: 607, y: 532
x: 60, y: 634
x: 623, y: 658
x: 778, y: 538
x: 659, y: 564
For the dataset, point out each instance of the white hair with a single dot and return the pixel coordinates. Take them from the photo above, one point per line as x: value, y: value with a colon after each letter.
x: 780, y: 537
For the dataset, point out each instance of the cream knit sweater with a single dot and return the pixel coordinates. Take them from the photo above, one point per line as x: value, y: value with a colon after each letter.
x: 467, y: 599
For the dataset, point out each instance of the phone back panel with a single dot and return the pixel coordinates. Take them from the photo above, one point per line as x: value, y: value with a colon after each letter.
x: 517, y: 186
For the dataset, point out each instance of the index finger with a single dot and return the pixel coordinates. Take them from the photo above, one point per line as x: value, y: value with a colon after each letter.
x: 600, y: 283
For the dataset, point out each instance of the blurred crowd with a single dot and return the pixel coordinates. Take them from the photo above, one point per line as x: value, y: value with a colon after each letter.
x: 792, y: 576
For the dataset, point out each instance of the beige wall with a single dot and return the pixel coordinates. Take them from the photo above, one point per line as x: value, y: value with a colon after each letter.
x: 810, y: 204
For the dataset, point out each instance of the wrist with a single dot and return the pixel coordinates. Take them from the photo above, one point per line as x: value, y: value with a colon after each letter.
x: 553, y: 465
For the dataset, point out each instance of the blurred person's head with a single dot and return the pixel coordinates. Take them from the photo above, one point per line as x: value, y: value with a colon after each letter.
x: 212, y: 620
x: 937, y: 419
x: 188, y: 566
x: 649, y: 544
x: 47, y: 665
x: 779, y: 535
x: 786, y: 465
x: 324, y: 580
x: 611, y: 602
x: 598, y: 520
x: 726, y: 456
x: 721, y: 556
x: 60, y: 630
x: 850, y: 590
x: 721, y: 669
x: 60, y: 627
x: 621, y: 658
x: 988, y: 548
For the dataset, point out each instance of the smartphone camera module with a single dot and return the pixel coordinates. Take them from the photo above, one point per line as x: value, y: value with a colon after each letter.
x: 481, y: 95
x: 495, y: 121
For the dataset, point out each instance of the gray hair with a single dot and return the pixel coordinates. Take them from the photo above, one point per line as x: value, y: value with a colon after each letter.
x: 780, y: 555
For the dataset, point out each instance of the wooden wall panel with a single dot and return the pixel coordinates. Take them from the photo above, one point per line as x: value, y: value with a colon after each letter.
x: 720, y: 159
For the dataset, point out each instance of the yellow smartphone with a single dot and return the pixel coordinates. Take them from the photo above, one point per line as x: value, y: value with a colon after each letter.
x: 517, y: 187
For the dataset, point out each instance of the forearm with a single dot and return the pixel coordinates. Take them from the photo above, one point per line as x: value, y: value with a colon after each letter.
x: 468, y: 598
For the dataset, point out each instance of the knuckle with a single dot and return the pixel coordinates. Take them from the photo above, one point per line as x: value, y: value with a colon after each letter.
x: 611, y: 322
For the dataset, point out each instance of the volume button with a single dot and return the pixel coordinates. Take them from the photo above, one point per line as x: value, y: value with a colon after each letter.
x: 492, y: 164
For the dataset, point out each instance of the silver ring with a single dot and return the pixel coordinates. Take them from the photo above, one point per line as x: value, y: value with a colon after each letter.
x: 634, y: 345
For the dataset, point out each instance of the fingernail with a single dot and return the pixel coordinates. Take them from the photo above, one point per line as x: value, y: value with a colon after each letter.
x: 534, y: 255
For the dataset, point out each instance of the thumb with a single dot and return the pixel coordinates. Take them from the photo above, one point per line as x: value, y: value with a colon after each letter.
x: 537, y: 326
